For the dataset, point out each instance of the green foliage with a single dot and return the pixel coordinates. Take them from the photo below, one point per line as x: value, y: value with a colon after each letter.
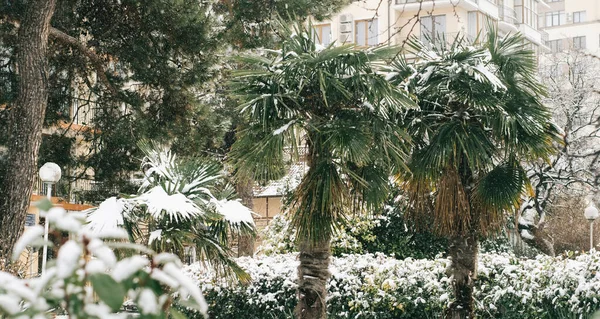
x: 387, y: 231
x: 87, y: 280
x: 179, y: 205
x: 305, y: 95
x: 375, y: 286
x: 480, y: 114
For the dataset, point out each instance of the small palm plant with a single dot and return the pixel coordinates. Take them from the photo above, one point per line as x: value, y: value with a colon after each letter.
x: 181, y: 204
x: 480, y: 115
x: 334, y: 102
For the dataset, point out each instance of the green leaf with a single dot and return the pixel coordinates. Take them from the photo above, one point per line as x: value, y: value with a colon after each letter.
x: 43, y: 204
x: 109, y: 291
x: 176, y: 314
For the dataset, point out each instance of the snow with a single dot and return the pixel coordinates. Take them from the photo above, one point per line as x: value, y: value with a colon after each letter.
x: 187, y: 286
x: 68, y: 259
x: 154, y: 235
x: 10, y: 304
x: 108, y: 216
x: 492, y: 78
x: 290, y: 181
x: 70, y: 222
x: 147, y: 302
x: 102, y: 252
x: 234, y: 212
x: 128, y: 266
x: 177, y: 206
x: 283, y: 128
x: 30, y: 235
x: 526, y: 234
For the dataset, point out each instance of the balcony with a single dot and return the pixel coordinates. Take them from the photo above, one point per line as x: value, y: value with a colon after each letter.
x: 507, y: 19
x: 507, y: 14
x: 424, y: 5
x: 440, y: 40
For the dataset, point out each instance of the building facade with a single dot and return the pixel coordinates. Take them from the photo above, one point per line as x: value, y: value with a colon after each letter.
x: 572, y: 24
x: 375, y: 22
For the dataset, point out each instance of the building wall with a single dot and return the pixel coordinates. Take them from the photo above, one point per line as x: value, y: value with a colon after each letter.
x: 398, y: 19
x: 569, y: 27
x: 267, y: 207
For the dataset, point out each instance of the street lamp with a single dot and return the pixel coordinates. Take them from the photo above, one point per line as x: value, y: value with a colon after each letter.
x: 49, y: 174
x: 591, y: 213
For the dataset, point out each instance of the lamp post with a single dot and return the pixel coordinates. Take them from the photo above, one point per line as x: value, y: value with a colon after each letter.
x: 591, y: 213
x: 49, y: 174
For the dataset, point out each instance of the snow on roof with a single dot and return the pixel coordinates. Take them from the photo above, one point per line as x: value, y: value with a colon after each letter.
x: 234, y: 212
x: 290, y: 181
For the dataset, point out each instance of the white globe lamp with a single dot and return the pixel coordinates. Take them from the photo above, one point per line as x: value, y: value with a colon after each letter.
x: 591, y: 214
x: 50, y: 174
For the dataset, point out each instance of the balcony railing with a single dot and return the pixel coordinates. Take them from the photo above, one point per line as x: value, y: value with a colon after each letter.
x: 545, y: 36
x: 425, y: 1
x: 444, y: 39
x: 507, y: 14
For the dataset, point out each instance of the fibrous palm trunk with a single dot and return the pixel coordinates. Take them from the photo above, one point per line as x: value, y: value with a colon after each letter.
x: 244, y: 188
x: 313, y: 274
x: 26, y: 117
x: 463, y: 254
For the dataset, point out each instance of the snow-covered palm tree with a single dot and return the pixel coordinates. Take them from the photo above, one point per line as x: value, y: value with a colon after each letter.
x: 335, y: 101
x: 480, y: 116
x: 180, y: 204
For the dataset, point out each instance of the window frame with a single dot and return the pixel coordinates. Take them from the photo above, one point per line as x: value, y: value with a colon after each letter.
x: 367, y: 29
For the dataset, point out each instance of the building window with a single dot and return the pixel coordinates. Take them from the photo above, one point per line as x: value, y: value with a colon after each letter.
x: 579, y: 43
x: 433, y: 29
x: 555, y: 45
x: 526, y: 11
x: 555, y: 18
x: 477, y: 24
x: 322, y: 34
x: 366, y: 32
x: 579, y: 17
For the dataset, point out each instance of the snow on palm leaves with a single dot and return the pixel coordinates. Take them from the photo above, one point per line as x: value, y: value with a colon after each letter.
x: 177, y: 206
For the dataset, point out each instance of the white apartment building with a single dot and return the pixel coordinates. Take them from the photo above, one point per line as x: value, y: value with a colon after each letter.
x: 373, y: 22
x: 572, y: 24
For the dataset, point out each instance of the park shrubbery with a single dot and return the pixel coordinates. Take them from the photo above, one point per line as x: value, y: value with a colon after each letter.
x: 377, y: 286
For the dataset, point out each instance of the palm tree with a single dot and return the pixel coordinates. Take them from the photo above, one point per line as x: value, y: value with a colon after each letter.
x: 334, y: 102
x: 480, y: 116
x: 181, y: 204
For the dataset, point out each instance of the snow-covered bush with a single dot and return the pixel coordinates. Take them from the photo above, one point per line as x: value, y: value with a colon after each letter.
x: 88, y: 281
x: 376, y: 286
x: 386, y: 232
x: 182, y: 204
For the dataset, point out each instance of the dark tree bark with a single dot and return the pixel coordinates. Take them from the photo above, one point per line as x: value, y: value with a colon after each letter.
x: 313, y: 274
x: 463, y: 253
x: 26, y: 117
x: 245, y: 191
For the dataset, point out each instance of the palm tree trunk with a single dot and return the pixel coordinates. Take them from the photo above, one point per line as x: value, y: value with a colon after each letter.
x: 463, y: 253
x: 313, y: 274
x: 26, y: 117
x: 244, y: 188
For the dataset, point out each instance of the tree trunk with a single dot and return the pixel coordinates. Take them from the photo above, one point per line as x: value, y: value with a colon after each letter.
x: 313, y: 274
x: 245, y: 191
x: 463, y: 253
x: 26, y: 117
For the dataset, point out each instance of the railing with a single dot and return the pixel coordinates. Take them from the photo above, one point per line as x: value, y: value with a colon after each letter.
x: 545, y: 36
x: 507, y: 14
x: 83, y: 114
x: 418, y: 1
x: 446, y: 39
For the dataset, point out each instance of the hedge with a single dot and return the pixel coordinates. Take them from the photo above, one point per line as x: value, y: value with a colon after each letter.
x: 377, y: 286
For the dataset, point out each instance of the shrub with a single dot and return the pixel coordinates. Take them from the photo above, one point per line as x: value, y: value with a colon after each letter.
x: 88, y: 281
x: 387, y: 232
x: 376, y: 286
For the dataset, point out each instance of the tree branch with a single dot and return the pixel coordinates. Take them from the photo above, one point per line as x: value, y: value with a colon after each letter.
x: 94, y: 58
